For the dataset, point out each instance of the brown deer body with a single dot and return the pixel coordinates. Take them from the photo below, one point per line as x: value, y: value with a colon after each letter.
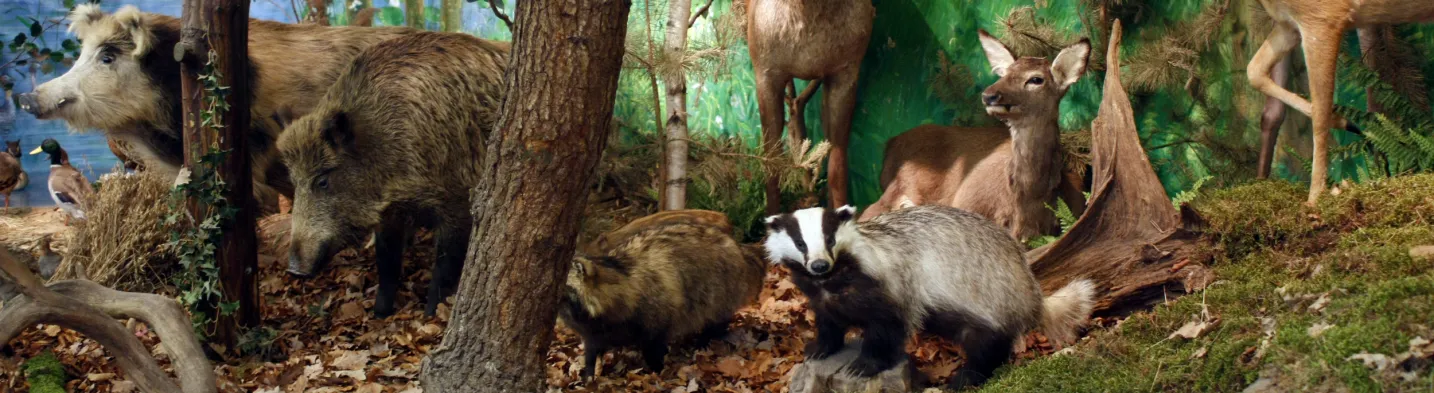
x: 1318, y: 25
x: 1007, y: 174
x: 815, y: 40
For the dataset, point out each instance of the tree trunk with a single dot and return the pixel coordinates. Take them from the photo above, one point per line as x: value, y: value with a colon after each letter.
x: 223, y: 27
x: 565, y: 62
x: 676, y: 127
x: 413, y: 13
x: 452, y: 15
x: 1131, y: 241
x: 1369, y: 48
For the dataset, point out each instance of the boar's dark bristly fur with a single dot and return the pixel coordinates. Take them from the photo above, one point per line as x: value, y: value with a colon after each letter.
x: 396, y: 141
x: 665, y: 283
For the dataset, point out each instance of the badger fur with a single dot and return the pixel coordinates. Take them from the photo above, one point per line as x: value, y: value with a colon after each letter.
x: 931, y: 268
x: 664, y: 283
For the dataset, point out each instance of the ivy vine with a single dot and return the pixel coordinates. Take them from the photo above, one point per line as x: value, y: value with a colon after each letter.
x: 196, y: 239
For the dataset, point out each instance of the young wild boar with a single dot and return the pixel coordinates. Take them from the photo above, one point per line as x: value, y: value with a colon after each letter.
x: 397, y: 140
x: 125, y: 82
x: 662, y: 284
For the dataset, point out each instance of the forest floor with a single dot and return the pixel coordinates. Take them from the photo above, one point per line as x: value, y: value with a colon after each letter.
x: 1305, y: 299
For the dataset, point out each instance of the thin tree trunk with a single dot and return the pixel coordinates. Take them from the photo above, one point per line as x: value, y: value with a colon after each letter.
x: 1369, y: 45
x: 223, y: 26
x: 565, y: 62
x: 452, y: 15
x: 349, y: 12
x: 413, y: 13
x: 676, y: 127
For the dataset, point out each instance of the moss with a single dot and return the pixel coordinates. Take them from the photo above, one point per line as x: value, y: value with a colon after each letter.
x: 1392, y: 202
x: 1246, y: 217
x: 45, y: 374
x: 1279, y: 260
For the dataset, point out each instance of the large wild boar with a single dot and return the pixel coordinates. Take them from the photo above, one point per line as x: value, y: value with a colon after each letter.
x: 125, y: 82
x: 397, y: 140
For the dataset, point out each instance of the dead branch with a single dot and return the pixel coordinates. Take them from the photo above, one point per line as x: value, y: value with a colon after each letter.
x: 493, y: 5
x: 700, y: 12
x: 797, y: 106
x: 91, y: 309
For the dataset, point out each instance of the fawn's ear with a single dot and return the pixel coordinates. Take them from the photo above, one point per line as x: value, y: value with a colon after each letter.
x: 1069, y: 65
x: 996, y: 53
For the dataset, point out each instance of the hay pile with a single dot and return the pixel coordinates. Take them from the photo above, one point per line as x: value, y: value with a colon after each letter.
x: 121, y: 245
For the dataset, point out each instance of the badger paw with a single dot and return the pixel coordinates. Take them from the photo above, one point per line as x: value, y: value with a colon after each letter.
x: 815, y: 350
x: 866, y: 367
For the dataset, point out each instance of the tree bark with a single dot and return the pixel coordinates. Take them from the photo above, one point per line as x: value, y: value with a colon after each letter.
x: 223, y: 26
x: 413, y: 13
x: 676, y: 127
x: 1131, y: 241
x: 563, y: 72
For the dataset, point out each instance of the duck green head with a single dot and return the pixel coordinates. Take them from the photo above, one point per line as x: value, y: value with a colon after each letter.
x: 52, y: 147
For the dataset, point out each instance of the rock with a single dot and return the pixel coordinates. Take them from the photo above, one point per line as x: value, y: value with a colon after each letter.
x: 1422, y: 253
x: 826, y: 376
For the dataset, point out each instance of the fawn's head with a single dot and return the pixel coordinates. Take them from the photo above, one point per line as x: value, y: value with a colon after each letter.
x: 1030, y: 87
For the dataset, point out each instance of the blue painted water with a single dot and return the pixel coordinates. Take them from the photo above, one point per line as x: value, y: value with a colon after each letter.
x: 89, y: 151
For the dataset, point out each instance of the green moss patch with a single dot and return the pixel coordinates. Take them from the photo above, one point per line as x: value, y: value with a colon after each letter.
x: 1299, y: 291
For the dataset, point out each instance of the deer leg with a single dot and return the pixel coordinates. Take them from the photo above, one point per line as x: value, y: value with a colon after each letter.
x: 836, y: 122
x: 1270, y: 120
x: 1321, y: 50
x: 1277, y: 46
x: 769, y: 103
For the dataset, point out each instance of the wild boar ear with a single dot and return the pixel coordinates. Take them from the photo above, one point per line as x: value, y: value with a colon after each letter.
x: 337, y: 131
x: 84, y: 16
x: 1069, y: 65
x: 997, y: 54
x: 133, y: 21
x: 845, y: 213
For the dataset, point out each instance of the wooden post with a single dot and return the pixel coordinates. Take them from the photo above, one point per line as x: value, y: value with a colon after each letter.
x: 223, y: 26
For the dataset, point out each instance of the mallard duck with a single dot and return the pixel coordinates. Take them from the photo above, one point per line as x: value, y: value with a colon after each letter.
x: 68, y: 187
x: 12, y: 175
x: 49, y: 260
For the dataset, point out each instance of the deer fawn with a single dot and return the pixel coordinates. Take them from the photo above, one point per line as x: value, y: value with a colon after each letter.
x: 1007, y: 174
x: 1318, y: 25
x: 813, y: 40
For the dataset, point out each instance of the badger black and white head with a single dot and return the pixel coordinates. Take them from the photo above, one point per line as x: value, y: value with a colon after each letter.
x: 930, y: 268
x: 805, y: 239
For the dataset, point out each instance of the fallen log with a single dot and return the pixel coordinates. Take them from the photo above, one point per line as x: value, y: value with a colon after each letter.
x: 1130, y: 238
x: 91, y: 309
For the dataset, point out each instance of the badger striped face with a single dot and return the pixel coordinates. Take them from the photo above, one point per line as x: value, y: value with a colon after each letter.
x: 804, y: 239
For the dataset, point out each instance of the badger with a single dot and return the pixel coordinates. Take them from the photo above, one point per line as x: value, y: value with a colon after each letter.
x: 930, y: 268
x: 662, y: 284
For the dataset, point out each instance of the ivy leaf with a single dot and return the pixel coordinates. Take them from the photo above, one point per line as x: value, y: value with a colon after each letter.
x: 69, y: 44
x: 57, y: 56
x: 19, y: 40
